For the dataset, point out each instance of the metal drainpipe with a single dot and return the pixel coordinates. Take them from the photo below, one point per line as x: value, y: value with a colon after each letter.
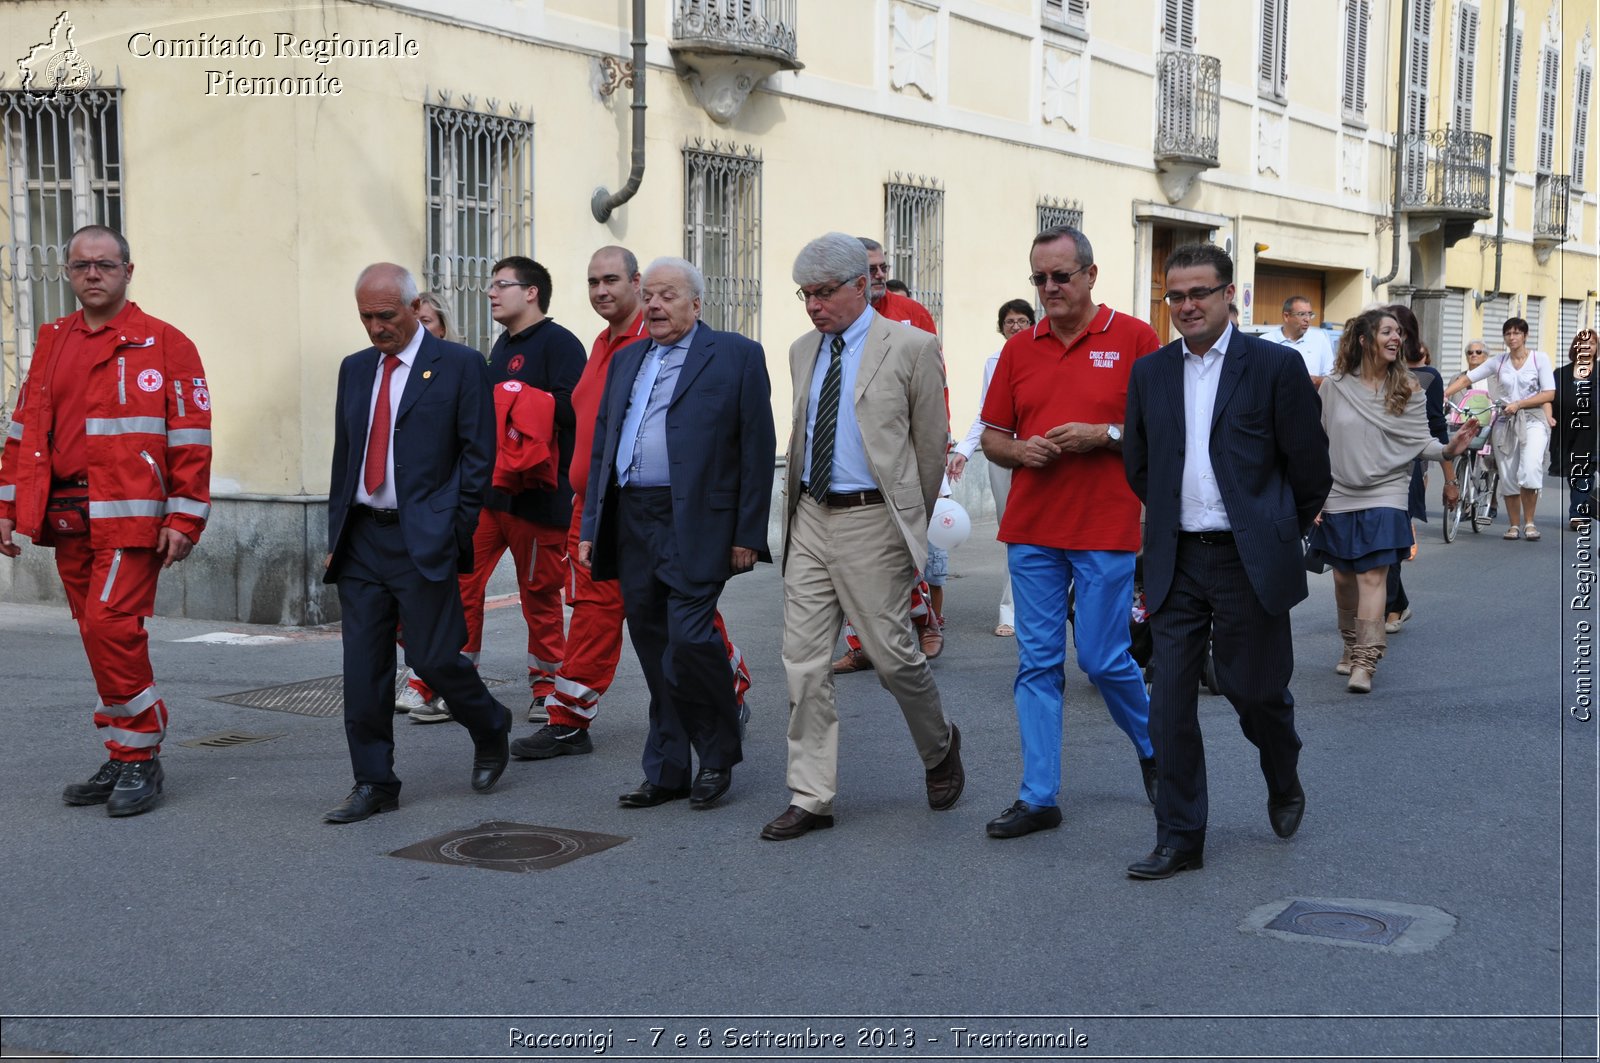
x: 603, y: 202
x: 1505, y: 147
x: 1399, y: 147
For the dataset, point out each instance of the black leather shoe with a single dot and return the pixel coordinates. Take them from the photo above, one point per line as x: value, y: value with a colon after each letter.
x: 1164, y: 861
x: 649, y: 795
x: 138, y: 788
x: 1285, y: 812
x: 709, y: 786
x: 1022, y: 818
x: 98, y: 789
x: 794, y: 822
x: 489, y: 758
x: 1147, y: 767
x: 364, y: 800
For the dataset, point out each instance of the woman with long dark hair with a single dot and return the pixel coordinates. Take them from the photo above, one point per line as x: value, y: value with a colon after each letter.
x: 1373, y: 412
x: 1415, y: 352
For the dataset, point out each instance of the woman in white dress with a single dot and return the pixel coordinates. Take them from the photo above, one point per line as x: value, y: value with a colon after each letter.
x: 1525, y: 379
x: 1015, y: 316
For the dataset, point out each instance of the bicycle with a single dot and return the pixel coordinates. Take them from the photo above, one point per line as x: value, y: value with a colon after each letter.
x: 1477, y: 476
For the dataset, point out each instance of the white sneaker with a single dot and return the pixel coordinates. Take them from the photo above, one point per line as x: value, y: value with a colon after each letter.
x: 408, y: 698
x: 434, y: 710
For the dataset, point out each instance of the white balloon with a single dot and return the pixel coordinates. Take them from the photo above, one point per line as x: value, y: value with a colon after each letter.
x: 950, y: 525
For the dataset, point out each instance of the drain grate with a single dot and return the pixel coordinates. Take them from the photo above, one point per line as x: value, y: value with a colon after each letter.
x: 1341, y: 924
x: 309, y: 697
x: 1380, y: 926
x: 228, y: 739
x: 500, y: 846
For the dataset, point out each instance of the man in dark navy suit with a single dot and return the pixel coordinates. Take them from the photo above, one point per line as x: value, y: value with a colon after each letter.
x: 1224, y: 443
x: 413, y: 451
x: 680, y: 483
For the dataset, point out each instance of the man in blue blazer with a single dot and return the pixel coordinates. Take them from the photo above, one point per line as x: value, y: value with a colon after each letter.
x: 1224, y: 443
x: 679, y: 487
x: 413, y: 451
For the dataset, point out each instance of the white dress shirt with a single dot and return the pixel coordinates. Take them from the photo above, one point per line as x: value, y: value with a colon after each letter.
x: 1313, y: 345
x: 1200, y: 508
x: 385, y: 498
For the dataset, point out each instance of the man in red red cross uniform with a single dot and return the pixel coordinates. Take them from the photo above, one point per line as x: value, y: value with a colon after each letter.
x: 925, y: 611
x: 594, y: 635
x: 108, y: 460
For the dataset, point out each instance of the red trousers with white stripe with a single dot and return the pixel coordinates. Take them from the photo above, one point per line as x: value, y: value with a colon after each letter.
x: 538, y: 552
x: 594, y: 642
x: 111, y: 592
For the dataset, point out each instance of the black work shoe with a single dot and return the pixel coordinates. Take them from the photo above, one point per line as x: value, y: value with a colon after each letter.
x: 137, y: 789
x: 552, y: 741
x: 1164, y: 861
x: 1023, y: 818
x: 98, y: 789
x: 1147, y: 767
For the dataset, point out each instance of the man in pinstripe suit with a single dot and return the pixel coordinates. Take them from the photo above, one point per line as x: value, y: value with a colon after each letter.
x: 1224, y: 443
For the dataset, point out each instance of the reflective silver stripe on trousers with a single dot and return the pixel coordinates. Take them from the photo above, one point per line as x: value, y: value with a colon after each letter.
x: 188, y: 437
x: 117, y: 426
x: 136, y: 507
x: 134, y: 707
x: 15, y: 431
x: 8, y: 493
x: 188, y: 507
x: 134, y: 739
x: 572, y: 690
x: 543, y: 666
x: 111, y: 577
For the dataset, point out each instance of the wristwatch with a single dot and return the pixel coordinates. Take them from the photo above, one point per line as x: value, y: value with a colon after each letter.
x: 1113, y: 433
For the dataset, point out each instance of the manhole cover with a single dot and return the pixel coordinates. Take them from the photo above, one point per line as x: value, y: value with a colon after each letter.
x: 309, y: 697
x: 509, y: 847
x: 1345, y: 924
x: 1384, y: 926
x: 228, y: 739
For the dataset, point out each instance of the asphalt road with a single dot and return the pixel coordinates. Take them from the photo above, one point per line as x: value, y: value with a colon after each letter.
x: 232, y: 923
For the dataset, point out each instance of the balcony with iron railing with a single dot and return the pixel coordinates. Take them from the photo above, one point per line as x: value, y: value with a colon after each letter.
x: 1444, y: 175
x: 1552, y: 213
x: 725, y: 47
x: 1188, y: 113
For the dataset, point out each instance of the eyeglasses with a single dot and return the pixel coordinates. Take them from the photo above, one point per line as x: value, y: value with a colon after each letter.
x: 1193, y: 295
x: 101, y: 265
x: 502, y: 285
x: 881, y: 267
x: 821, y: 294
x: 1307, y: 314
x: 1038, y: 279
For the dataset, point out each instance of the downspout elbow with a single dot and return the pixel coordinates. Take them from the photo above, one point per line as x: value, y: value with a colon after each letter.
x: 602, y: 203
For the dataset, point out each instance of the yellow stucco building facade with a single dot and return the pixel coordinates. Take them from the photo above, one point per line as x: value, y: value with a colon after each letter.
x: 257, y: 156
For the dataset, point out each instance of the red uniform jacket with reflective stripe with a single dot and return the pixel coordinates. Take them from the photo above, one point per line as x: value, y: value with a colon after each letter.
x: 148, y: 435
x: 525, y: 438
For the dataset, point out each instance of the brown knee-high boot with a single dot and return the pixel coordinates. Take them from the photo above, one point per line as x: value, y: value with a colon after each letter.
x: 1371, y: 641
x: 1344, y: 600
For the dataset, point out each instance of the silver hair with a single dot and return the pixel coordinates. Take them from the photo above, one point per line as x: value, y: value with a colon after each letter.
x: 832, y: 258
x: 397, y: 275
x: 697, y: 280
x: 869, y: 243
x: 1080, y: 242
x: 1478, y: 340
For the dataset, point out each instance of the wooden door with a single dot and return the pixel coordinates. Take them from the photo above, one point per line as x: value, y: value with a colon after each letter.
x: 1274, y: 284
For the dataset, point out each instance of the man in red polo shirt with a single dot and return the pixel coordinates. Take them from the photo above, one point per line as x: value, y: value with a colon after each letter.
x: 594, y: 634
x: 925, y: 607
x: 1054, y: 415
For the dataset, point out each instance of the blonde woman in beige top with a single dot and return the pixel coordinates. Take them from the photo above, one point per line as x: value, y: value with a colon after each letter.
x: 1373, y: 412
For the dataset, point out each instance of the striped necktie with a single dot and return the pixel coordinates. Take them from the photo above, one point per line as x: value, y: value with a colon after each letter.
x: 827, y: 423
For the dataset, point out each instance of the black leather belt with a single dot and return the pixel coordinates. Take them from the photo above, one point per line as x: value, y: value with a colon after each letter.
x: 1210, y: 538
x: 380, y: 516
x: 58, y: 484
x: 850, y: 499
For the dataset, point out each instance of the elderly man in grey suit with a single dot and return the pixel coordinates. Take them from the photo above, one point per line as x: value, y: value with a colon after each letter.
x: 865, y: 461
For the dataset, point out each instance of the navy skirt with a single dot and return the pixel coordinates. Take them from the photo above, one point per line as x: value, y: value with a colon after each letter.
x: 1361, y: 540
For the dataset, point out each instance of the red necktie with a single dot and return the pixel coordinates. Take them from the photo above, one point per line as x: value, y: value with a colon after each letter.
x: 378, y: 439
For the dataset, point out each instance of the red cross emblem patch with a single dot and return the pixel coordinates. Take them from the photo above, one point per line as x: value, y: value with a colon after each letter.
x: 150, y: 380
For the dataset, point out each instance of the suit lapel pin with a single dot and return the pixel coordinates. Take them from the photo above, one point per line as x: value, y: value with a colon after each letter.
x: 427, y: 373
